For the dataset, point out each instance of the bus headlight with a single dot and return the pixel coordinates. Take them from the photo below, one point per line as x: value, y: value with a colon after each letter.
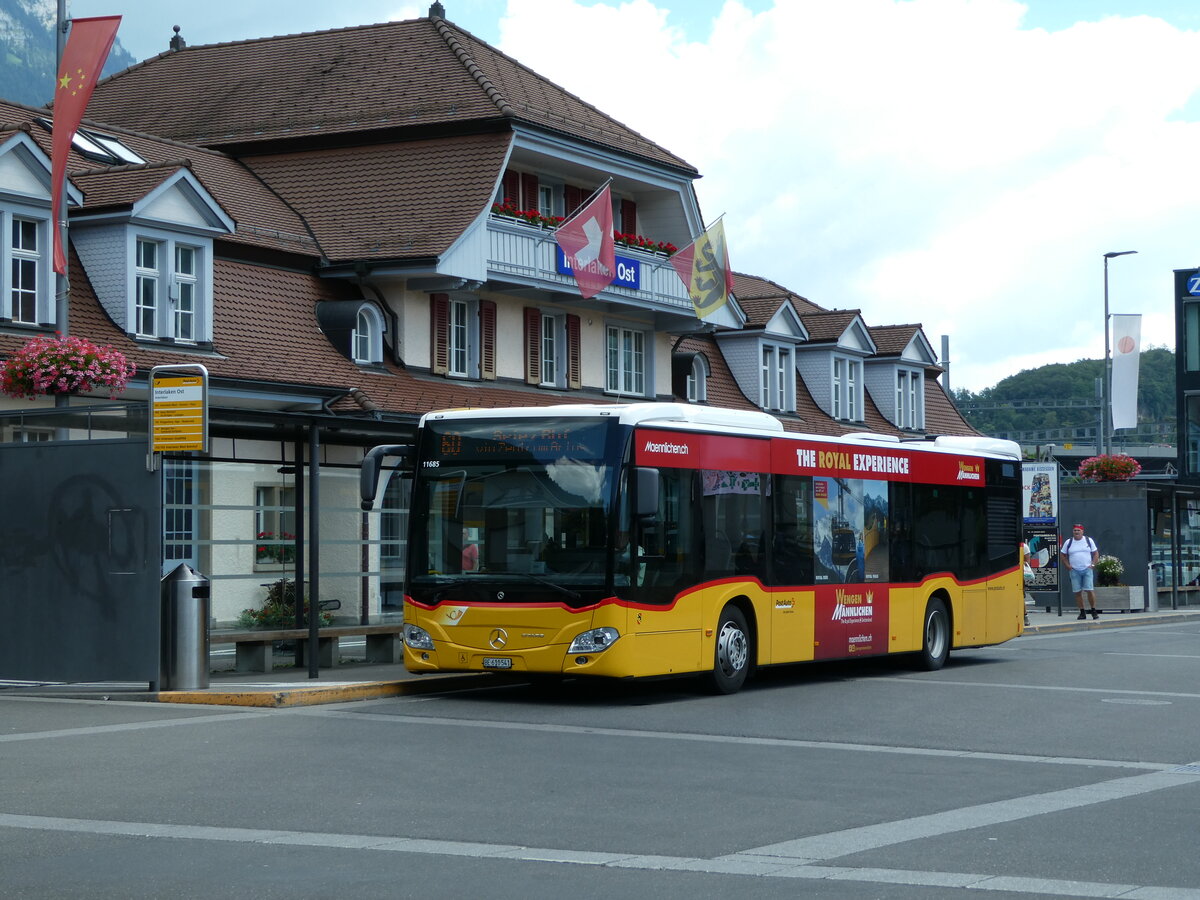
x: 417, y: 638
x: 594, y: 641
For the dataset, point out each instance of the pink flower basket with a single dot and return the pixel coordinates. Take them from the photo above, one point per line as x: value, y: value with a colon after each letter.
x: 64, y: 365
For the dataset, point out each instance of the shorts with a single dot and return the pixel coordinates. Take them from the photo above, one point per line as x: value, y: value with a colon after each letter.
x: 1082, y: 580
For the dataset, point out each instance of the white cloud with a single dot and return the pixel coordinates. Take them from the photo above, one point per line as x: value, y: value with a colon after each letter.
x: 922, y: 160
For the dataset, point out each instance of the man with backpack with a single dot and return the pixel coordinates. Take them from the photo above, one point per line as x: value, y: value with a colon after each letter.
x: 1079, y: 556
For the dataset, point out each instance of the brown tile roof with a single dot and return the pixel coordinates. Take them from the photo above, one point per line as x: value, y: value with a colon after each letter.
x: 394, y: 200
x: 761, y: 298
x: 421, y: 73
x: 722, y: 388
x: 891, y: 340
x: 263, y: 219
x: 941, y: 415
x: 121, y: 186
x: 828, y: 325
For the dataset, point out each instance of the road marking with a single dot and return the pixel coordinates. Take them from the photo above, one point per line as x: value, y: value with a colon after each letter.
x: 738, y: 864
x: 909, y: 679
x: 741, y: 740
x: 129, y: 726
x: 822, y: 847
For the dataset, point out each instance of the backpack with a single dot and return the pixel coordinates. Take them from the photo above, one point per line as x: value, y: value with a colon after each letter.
x: 1091, y: 545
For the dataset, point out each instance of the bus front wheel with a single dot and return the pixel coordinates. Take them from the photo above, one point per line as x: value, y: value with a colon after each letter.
x: 935, y: 640
x: 731, y: 657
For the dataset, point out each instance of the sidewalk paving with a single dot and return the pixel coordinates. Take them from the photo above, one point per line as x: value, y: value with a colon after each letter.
x: 291, y: 686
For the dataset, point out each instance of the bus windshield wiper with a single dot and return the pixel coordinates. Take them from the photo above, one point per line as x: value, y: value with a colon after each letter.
x: 541, y: 579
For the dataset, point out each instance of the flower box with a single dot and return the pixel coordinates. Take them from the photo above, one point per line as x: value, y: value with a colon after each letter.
x: 1124, y: 597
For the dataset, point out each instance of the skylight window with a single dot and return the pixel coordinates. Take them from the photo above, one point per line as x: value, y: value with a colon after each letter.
x: 99, y: 146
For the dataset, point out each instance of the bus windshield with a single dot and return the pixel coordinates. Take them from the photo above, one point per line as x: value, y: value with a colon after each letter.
x: 513, y: 501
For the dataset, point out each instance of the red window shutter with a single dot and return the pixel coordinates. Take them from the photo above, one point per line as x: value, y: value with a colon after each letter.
x: 512, y: 187
x: 487, y: 340
x: 628, y: 217
x: 439, y: 339
x: 529, y: 191
x: 572, y: 198
x: 533, y: 346
x: 574, y: 377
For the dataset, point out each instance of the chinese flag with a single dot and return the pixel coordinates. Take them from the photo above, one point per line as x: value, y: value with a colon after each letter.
x: 587, y: 241
x: 83, y: 58
x: 703, y: 265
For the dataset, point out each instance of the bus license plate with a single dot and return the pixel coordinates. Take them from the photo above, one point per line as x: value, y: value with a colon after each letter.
x: 497, y: 662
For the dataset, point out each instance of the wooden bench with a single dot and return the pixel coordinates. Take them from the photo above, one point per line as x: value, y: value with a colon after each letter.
x: 255, y: 648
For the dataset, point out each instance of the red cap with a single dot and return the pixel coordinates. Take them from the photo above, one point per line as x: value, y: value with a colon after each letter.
x: 1080, y: 527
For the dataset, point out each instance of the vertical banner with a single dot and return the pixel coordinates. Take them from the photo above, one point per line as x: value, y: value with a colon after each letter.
x: 1127, y: 345
x: 1039, y: 517
x: 83, y: 57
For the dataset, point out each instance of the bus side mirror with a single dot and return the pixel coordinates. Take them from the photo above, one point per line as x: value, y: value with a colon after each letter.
x: 647, y: 492
x: 368, y: 475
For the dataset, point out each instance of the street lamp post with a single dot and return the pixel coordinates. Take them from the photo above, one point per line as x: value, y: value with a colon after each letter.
x: 1106, y: 387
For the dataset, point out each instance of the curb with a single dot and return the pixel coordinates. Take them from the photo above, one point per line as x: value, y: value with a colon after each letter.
x: 317, y: 694
x: 1107, y: 621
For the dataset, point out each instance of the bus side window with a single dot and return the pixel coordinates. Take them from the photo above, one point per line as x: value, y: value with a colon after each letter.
x: 791, y: 556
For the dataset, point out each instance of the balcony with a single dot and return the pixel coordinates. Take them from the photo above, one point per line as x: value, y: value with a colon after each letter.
x: 527, y: 256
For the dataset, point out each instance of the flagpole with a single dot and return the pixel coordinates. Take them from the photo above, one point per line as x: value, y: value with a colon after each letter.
x: 583, y: 205
x: 62, y: 282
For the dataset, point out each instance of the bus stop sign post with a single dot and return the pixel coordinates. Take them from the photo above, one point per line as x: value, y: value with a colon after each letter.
x: 178, y: 410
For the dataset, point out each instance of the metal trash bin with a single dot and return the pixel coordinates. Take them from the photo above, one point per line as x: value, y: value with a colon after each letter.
x: 184, y: 645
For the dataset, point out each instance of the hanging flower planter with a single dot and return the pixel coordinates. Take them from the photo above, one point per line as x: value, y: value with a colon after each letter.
x: 1117, y: 467
x: 64, y: 365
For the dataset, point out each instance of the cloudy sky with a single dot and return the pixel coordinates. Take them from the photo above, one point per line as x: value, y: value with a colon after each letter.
x: 964, y: 164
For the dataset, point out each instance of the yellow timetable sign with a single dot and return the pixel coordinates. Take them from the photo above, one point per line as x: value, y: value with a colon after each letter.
x: 178, y: 413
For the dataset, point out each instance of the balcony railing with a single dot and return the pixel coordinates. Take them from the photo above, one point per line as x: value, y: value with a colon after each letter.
x: 528, y: 255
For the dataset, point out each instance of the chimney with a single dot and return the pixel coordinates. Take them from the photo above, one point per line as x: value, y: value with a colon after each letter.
x: 177, y: 43
x: 436, y: 10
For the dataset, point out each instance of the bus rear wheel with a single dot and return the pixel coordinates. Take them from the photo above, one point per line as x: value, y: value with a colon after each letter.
x: 935, y: 635
x: 731, y: 657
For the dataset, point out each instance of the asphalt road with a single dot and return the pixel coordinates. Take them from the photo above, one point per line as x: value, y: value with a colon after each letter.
x: 1055, y: 765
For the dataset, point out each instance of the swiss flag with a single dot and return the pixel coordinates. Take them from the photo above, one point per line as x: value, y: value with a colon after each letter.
x: 587, y: 241
x: 83, y: 58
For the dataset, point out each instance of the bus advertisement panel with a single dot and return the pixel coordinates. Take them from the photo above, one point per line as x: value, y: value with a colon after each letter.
x: 656, y: 539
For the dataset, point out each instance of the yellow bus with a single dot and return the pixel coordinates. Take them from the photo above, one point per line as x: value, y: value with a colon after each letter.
x: 651, y: 539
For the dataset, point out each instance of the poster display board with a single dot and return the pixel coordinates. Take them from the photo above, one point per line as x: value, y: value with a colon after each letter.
x: 1039, y: 517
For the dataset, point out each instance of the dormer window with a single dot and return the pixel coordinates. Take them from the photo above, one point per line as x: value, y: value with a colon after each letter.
x: 696, y: 384
x: 910, y: 395
x: 847, y: 388
x: 368, y: 336
x: 26, y: 268
x: 166, y: 291
x: 777, y: 381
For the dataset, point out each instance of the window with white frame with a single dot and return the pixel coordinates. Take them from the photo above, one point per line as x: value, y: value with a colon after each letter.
x: 777, y: 385
x: 626, y: 353
x: 460, y: 337
x: 169, y: 290
x: 696, y: 383
x: 185, y: 293
x: 464, y: 337
x: 26, y: 270
x: 910, y: 410
x: 368, y: 336
x: 147, y: 290
x: 847, y: 389
x: 274, y: 524
x: 545, y: 196
x: 552, y: 340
